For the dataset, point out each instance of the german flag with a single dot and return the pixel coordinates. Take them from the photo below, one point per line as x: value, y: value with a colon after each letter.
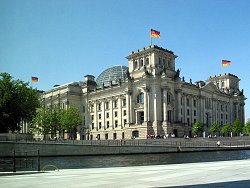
x: 34, y: 79
x: 225, y: 63
x: 154, y: 33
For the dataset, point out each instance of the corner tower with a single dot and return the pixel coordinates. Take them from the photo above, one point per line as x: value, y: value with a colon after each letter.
x: 152, y: 60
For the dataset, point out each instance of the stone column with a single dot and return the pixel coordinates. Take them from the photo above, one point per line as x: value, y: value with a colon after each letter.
x: 128, y: 108
x: 146, y: 106
x: 120, y: 114
x: 191, y: 110
x: 184, y: 109
x: 157, y: 104
x: 103, y: 115
x: 111, y: 115
x: 164, y: 105
x: 95, y: 116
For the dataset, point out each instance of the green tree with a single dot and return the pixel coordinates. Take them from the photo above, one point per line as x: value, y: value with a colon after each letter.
x: 237, y: 127
x: 55, y: 120
x: 197, y: 128
x: 71, y: 118
x: 42, y: 120
x: 246, y: 129
x: 226, y: 129
x: 18, y: 103
x: 214, y: 128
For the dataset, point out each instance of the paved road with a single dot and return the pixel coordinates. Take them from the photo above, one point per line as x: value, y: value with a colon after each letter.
x: 223, y: 174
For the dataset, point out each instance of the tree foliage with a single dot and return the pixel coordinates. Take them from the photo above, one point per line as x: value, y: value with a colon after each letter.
x: 18, y: 102
x: 237, y: 127
x: 214, y: 128
x: 226, y: 129
x: 246, y: 129
x: 55, y: 120
x: 71, y: 118
x: 197, y: 127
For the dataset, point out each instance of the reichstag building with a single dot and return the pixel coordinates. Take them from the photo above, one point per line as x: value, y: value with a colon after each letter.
x: 148, y: 98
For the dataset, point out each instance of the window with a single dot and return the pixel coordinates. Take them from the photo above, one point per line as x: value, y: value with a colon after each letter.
x: 194, y: 120
x: 116, y: 113
x: 93, y: 125
x: 106, y: 136
x: 100, y: 125
x: 99, y: 106
x: 124, y: 121
x: 135, y: 64
x: 159, y: 60
x: 107, y: 105
x: 92, y: 117
x: 187, y: 102
x: 100, y: 116
x: 135, y: 134
x: 115, y: 104
x: 147, y: 61
x: 92, y: 108
x: 114, y: 136
x: 140, y: 98
x: 124, y: 102
x: 140, y: 117
x: 116, y: 123
x: 194, y: 112
x: 141, y: 62
x: 83, y: 108
x: 168, y: 98
x: 188, y: 121
x: 124, y: 112
x: 194, y: 103
x: 222, y: 84
x: 164, y: 61
x: 188, y: 112
x: 181, y: 111
x: 169, y: 116
x: 107, y: 124
x: 107, y: 115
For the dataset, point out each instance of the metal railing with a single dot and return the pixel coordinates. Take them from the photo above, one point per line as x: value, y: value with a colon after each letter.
x: 21, y: 161
x: 200, y: 142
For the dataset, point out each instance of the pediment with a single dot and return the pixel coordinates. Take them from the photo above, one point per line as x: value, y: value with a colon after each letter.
x: 210, y: 87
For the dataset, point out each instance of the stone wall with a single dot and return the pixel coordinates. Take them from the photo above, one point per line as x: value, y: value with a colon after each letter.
x: 114, y: 147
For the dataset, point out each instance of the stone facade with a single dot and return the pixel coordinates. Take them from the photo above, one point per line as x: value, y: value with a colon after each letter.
x: 149, y: 98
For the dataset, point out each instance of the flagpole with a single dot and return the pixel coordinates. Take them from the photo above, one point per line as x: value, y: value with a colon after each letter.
x: 150, y: 36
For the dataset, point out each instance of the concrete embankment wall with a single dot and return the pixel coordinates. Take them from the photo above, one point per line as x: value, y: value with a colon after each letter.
x: 114, y: 148
x: 7, y: 149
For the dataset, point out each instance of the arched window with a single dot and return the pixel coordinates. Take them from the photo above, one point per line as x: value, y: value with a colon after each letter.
x: 140, y: 98
x: 135, y: 134
x: 141, y: 62
x: 135, y: 64
x: 147, y: 61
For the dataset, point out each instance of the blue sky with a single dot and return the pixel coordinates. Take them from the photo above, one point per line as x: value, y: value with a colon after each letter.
x: 60, y: 41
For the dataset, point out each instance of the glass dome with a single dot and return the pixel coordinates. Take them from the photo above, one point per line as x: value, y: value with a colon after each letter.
x: 113, y: 74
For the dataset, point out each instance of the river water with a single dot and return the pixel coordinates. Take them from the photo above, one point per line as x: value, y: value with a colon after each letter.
x: 142, y: 159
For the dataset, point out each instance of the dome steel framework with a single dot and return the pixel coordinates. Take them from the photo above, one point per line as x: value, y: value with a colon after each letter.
x: 114, y: 74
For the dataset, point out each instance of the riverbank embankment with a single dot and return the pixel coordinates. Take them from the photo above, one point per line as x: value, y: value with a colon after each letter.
x: 118, y: 147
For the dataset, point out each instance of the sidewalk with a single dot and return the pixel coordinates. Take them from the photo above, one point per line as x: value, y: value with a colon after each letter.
x: 221, y: 174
